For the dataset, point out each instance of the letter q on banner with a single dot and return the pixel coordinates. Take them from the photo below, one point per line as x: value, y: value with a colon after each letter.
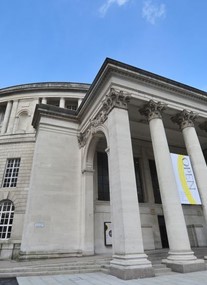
x: 185, y: 180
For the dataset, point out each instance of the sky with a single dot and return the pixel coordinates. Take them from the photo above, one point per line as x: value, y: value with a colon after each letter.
x: 68, y: 40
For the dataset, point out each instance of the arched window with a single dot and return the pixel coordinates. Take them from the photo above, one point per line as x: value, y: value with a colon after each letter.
x: 6, y: 218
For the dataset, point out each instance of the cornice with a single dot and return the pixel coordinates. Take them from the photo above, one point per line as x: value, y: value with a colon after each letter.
x: 50, y: 111
x: 160, y: 82
x: 44, y: 86
x: 111, y: 67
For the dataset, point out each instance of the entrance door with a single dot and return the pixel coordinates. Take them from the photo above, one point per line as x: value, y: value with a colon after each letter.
x: 163, y: 232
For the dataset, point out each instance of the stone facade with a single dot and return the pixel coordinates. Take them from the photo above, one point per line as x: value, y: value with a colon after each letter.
x: 80, y: 144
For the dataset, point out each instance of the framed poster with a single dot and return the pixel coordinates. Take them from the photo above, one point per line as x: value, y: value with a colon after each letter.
x: 107, y: 233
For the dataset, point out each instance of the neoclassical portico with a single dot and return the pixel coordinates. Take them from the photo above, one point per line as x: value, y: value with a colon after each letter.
x: 181, y: 257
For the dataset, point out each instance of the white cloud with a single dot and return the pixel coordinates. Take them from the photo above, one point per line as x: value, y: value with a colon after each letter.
x: 104, y: 8
x: 151, y: 12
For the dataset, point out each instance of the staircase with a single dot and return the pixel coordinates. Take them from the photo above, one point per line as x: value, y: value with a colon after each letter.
x: 74, y: 265
x: 156, y: 257
x: 54, y: 266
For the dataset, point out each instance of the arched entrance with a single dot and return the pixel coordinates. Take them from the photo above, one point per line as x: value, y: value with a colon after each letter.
x: 95, y: 195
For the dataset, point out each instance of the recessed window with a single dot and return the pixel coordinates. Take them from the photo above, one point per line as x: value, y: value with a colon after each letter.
x: 103, y: 177
x: 11, y: 172
x: 71, y: 105
x: 2, y: 113
x: 138, y: 180
x: 6, y: 218
x: 155, y: 183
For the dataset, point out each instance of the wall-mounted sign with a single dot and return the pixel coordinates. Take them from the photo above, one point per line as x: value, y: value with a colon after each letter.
x: 39, y: 225
x: 185, y: 179
x: 107, y: 233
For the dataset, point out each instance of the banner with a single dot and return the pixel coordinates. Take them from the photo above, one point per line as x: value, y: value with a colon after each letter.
x: 185, y: 179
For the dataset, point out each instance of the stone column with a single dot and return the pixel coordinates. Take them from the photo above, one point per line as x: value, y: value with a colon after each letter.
x: 6, y: 117
x: 62, y: 103
x: 185, y: 120
x: 88, y: 211
x: 44, y: 101
x: 180, y: 257
x: 129, y: 260
x: 12, y: 117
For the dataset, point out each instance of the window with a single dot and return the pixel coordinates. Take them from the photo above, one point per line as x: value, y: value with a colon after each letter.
x: 103, y: 177
x: 53, y: 102
x: 11, y: 172
x: 138, y: 180
x: 6, y: 218
x: 155, y: 182
x: 71, y: 105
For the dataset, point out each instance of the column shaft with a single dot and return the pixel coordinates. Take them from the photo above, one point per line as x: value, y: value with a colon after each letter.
x: 173, y: 213
x: 44, y: 101
x: 62, y: 103
x: 198, y: 163
x: 129, y: 260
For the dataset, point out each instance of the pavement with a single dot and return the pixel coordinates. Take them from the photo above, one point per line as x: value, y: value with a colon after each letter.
x: 99, y: 278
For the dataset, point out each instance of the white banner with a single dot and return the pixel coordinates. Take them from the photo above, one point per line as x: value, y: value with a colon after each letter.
x: 185, y: 179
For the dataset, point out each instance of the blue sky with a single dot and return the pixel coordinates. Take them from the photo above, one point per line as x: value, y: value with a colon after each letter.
x: 68, y: 40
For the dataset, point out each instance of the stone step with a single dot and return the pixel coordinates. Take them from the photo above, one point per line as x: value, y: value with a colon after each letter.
x: 51, y: 267
x: 161, y: 269
x: 46, y: 272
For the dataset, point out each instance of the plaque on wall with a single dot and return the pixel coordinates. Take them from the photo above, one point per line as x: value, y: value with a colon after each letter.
x: 107, y: 233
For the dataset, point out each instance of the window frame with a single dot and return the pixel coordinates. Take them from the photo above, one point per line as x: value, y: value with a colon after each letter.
x: 11, y: 172
x: 6, y: 218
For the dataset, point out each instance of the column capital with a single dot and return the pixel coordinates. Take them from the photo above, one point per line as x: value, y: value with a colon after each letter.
x: 185, y: 119
x: 116, y: 98
x: 153, y: 110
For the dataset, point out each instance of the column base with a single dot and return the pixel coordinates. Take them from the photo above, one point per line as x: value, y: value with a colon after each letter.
x: 128, y: 267
x: 184, y: 262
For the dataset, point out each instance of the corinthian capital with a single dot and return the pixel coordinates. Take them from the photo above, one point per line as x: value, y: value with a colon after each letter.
x: 153, y: 110
x: 117, y: 99
x: 185, y: 119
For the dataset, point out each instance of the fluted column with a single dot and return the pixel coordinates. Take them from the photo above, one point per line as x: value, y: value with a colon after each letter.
x: 6, y: 117
x: 129, y: 260
x: 185, y: 120
x: 180, y: 254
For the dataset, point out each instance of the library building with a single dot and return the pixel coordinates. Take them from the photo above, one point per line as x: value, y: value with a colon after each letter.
x: 114, y: 169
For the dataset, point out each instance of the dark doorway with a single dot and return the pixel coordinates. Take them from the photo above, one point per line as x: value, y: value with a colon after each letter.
x: 163, y: 232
